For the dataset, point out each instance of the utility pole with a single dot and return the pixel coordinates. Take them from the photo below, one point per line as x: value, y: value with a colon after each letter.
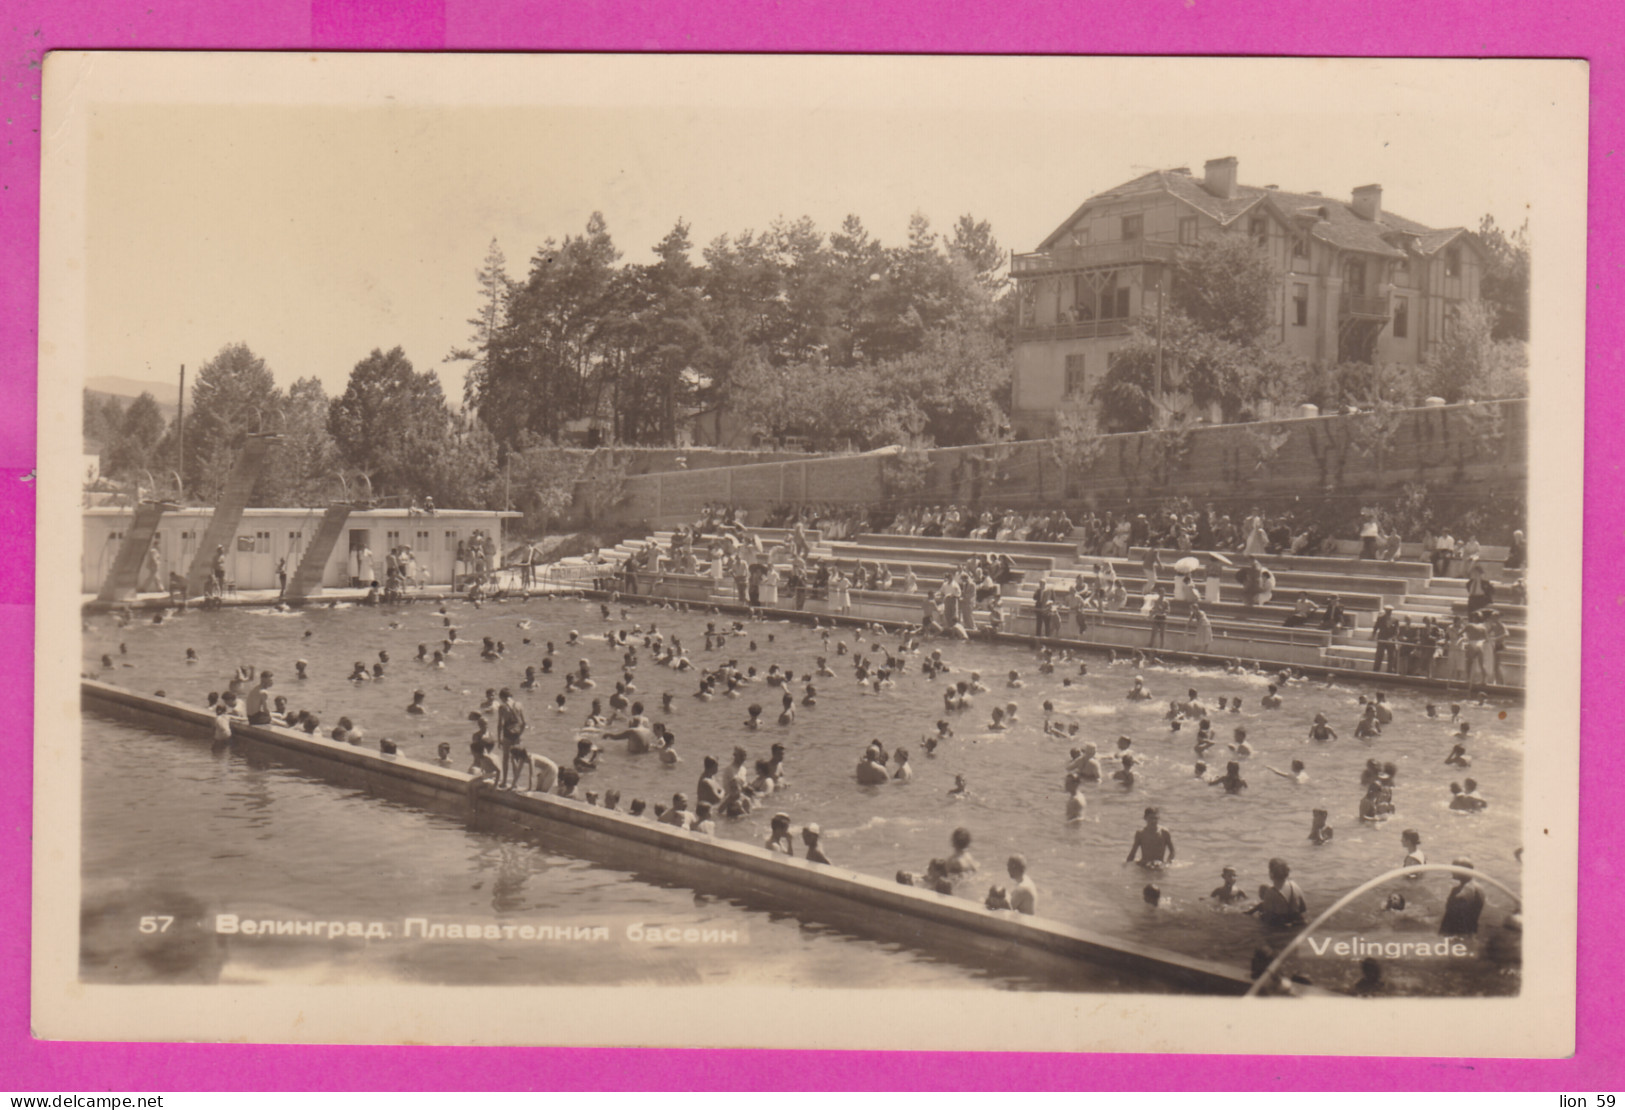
x: 180, y: 435
x: 1162, y: 295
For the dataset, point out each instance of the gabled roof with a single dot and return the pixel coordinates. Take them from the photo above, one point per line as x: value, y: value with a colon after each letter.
x: 1327, y: 219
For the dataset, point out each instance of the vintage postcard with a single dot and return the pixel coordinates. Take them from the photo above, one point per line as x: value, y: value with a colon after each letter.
x: 822, y: 552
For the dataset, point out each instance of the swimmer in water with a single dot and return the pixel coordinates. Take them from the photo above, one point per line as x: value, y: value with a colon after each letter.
x: 417, y: 708
x: 191, y: 655
x: 1271, y: 699
x: 1231, y: 780
x: 904, y: 773
x: 779, y: 838
x: 1321, y: 730
x: 810, y: 837
x: 809, y: 696
x: 360, y: 673
x: 1138, y: 692
x: 1074, y: 798
x: 443, y: 754
x: 1297, y: 774
x: 1371, y: 806
x: 997, y: 723
x: 1241, y: 747
x: 1154, y: 844
x: 959, y: 789
x: 1280, y: 902
x: 754, y: 721
x: 1228, y: 893
x: 787, y: 713
x: 1411, y: 841
x: 1458, y: 757
x: 1319, y: 831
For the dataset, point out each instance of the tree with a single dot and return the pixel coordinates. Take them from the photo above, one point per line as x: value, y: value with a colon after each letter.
x: 495, y: 288
x: 1506, y: 279
x: 543, y: 361
x: 392, y: 423
x: 104, y: 415
x: 1470, y: 365
x: 307, y: 460
x: 1212, y: 341
x: 974, y: 242
x: 959, y: 383
x: 134, y: 446
x: 1225, y: 286
x: 234, y: 395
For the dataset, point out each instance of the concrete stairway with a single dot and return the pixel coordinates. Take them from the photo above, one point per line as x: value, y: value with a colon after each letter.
x: 307, y: 578
x: 228, y: 511
x: 125, y: 576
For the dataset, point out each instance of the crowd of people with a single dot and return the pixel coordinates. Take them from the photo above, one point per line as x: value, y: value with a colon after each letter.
x: 501, y: 754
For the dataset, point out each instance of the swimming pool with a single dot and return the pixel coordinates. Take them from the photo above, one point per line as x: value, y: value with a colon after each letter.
x: 228, y: 831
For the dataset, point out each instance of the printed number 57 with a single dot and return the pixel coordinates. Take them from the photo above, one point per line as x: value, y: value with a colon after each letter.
x: 159, y: 924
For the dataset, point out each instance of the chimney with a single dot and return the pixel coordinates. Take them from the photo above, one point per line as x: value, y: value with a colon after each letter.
x: 1368, y: 202
x: 1219, y: 177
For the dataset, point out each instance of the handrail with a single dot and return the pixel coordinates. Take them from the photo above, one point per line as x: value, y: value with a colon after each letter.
x: 1371, y: 884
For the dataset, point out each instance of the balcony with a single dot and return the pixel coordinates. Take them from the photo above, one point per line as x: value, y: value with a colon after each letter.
x: 1082, y: 329
x: 1366, y: 308
x: 1063, y: 260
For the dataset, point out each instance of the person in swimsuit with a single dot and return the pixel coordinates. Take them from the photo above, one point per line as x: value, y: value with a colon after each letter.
x: 809, y: 837
x: 1153, y: 843
x: 1280, y: 901
x: 1463, y: 905
x: 1228, y: 894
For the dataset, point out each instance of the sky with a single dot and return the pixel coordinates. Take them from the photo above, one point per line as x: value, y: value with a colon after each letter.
x: 317, y: 209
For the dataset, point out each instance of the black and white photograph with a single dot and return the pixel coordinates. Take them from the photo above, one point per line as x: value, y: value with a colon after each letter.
x: 784, y: 551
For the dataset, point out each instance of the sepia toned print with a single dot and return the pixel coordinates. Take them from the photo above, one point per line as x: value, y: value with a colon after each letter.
x: 561, y: 543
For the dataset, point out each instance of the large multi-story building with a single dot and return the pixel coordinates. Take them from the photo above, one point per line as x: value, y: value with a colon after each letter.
x: 1359, y: 284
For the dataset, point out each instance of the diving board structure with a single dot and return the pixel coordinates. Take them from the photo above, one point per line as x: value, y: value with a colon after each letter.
x: 228, y: 511
x: 307, y: 578
x: 125, y: 577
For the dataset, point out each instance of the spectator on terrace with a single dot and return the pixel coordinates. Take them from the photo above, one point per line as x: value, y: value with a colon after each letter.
x: 1480, y: 590
x: 1444, y: 550
x: 1331, y: 618
x: 1304, y: 610
x: 1517, y: 553
x: 1370, y: 531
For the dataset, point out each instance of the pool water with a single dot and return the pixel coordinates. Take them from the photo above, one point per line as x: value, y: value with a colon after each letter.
x: 229, y: 830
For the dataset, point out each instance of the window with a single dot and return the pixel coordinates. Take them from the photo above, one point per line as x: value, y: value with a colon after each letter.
x: 1300, y: 249
x: 1402, y: 317
x: 1300, y: 304
x: 1133, y: 227
x: 1402, y: 272
x: 1114, y: 300
x: 1076, y: 379
x: 1354, y: 276
x: 1452, y: 262
x: 1258, y: 229
x: 1083, y: 298
x: 262, y: 543
x: 1028, y: 303
x: 1187, y: 229
x: 1080, y: 235
x: 451, y: 540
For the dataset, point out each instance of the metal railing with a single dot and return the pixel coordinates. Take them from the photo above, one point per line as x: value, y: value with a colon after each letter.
x: 1091, y: 256
x: 1082, y: 329
x: 1373, y: 307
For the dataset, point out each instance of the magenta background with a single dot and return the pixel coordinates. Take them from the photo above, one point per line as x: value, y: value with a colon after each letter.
x: 1592, y: 29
